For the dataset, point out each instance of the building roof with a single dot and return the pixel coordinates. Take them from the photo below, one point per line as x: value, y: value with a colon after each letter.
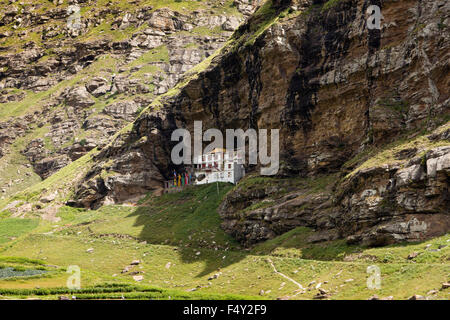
x: 222, y: 150
x: 219, y: 150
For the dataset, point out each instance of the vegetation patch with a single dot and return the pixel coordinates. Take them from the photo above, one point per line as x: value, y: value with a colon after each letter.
x: 330, y: 4
x: 11, y: 228
x: 387, y: 155
x: 9, y: 272
x: 121, y: 291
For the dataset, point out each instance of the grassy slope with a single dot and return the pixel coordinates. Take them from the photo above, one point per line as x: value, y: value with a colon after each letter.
x: 183, y: 229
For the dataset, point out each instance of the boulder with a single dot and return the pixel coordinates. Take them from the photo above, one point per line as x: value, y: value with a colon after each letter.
x: 50, y: 197
x: 79, y: 97
x: 135, y: 262
x: 417, y: 297
x: 98, y: 86
x: 138, y: 278
x: 231, y: 24
x: 125, y: 110
x: 412, y: 255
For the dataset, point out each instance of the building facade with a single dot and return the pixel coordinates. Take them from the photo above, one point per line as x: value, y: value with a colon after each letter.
x: 219, y: 165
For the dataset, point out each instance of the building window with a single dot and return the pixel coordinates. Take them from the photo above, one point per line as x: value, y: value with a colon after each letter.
x: 229, y: 166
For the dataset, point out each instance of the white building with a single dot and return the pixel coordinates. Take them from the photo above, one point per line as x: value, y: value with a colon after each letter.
x: 219, y: 165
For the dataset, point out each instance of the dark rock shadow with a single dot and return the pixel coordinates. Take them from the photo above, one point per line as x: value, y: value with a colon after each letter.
x: 189, y: 221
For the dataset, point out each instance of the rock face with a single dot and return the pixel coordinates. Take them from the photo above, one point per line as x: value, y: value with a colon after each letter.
x: 337, y: 91
x: 408, y: 202
x: 78, y: 97
x: 31, y: 68
x: 122, y: 110
x: 379, y: 205
x: 94, y: 82
x: 278, y: 215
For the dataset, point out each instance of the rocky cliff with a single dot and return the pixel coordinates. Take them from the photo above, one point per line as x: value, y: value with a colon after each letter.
x: 364, y: 110
x: 65, y: 91
x: 363, y: 119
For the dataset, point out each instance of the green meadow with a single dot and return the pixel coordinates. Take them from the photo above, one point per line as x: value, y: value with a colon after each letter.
x: 184, y: 254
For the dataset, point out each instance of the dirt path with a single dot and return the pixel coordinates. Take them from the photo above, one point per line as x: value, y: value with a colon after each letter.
x: 284, y: 276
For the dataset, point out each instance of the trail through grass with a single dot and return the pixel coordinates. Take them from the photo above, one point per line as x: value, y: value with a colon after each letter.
x: 184, y: 254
